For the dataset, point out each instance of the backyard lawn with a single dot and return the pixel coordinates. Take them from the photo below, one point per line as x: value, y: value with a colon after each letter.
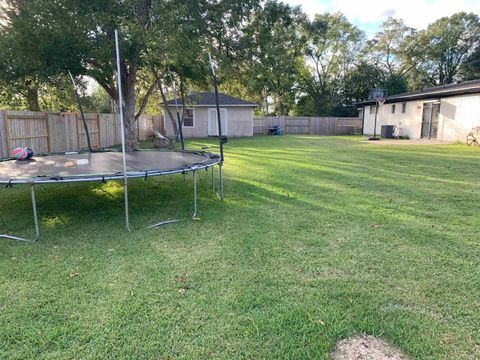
x: 318, y: 238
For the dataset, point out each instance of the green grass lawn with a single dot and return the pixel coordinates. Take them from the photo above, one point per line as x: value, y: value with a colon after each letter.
x: 318, y: 238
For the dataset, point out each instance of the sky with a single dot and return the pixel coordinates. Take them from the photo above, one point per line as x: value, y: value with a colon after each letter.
x: 369, y: 14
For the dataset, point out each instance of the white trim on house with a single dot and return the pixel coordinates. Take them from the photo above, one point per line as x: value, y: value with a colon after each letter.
x: 429, y: 93
x: 225, y: 118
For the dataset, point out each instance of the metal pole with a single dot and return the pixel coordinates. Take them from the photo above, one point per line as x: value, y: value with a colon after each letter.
x: 122, y: 127
x: 80, y: 107
x: 35, y: 217
x: 213, y: 178
x: 178, y: 113
x: 194, y: 194
x: 219, y: 125
x: 375, y: 125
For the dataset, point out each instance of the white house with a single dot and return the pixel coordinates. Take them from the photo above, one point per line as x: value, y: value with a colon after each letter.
x: 200, y: 118
x: 444, y: 112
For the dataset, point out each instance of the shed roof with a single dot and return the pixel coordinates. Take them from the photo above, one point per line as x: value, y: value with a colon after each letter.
x: 437, y: 92
x: 208, y: 99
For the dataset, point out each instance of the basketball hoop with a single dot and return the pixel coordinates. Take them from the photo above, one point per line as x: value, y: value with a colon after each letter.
x: 379, y: 95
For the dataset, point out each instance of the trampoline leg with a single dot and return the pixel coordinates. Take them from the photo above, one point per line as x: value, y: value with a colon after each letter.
x: 194, y: 194
x: 35, y: 221
x: 194, y: 205
x: 213, y: 178
x: 221, y: 182
x: 125, y: 194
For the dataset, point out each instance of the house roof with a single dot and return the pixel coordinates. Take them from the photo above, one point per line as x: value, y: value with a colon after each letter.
x: 437, y: 92
x: 208, y: 99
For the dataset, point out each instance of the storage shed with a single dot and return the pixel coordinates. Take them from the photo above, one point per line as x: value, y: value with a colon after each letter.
x: 200, y: 118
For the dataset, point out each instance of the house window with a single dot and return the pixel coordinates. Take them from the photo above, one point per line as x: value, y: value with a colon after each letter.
x: 404, y: 107
x: 188, y: 118
x: 393, y: 108
x: 373, y: 108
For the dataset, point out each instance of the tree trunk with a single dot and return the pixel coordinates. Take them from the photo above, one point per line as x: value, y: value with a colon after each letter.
x: 281, y: 106
x: 32, y: 99
x: 131, y: 133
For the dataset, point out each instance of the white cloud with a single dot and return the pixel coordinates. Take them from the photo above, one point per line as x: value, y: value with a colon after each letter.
x: 415, y: 13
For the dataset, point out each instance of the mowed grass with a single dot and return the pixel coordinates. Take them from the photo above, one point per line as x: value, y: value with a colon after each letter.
x: 318, y: 238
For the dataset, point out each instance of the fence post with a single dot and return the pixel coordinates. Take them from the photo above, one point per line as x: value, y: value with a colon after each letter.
x: 99, y: 131
x: 49, y: 134
x: 7, y: 131
x: 3, y: 136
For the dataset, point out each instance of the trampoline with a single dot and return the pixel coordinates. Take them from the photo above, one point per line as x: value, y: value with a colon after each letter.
x: 76, y: 167
x: 103, y: 166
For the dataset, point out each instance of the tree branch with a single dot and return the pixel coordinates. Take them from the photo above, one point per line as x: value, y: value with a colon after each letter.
x: 145, y: 99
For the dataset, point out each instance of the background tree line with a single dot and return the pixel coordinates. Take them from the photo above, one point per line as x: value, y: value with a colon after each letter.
x: 267, y: 52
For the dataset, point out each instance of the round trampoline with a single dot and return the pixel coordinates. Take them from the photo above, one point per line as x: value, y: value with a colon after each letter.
x: 97, y: 166
x: 103, y: 166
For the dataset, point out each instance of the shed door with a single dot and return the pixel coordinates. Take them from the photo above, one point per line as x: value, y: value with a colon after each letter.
x: 431, y: 112
x: 213, y: 122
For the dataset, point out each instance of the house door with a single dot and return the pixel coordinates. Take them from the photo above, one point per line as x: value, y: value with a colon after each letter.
x: 431, y: 112
x: 213, y: 122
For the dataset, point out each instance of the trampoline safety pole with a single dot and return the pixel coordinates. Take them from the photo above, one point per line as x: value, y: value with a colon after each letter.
x: 217, y: 103
x: 122, y: 128
x: 179, y: 121
x: 82, y: 114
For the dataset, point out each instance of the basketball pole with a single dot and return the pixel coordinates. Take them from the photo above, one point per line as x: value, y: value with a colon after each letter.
x: 122, y: 129
x: 375, y: 123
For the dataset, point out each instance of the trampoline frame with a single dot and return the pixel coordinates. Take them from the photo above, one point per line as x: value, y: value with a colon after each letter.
x: 145, y: 174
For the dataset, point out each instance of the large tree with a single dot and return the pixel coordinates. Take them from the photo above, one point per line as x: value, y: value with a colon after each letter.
x: 79, y: 36
x: 385, y: 49
x: 332, y: 51
x: 274, y: 45
x: 446, y: 45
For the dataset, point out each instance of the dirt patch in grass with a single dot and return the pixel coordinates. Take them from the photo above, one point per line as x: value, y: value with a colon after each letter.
x: 366, y: 348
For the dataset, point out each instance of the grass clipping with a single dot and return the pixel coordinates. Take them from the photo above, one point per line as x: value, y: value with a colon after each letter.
x: 366, y: 348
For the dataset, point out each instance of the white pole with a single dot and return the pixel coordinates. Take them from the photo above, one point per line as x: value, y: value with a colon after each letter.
x: 122, y: 128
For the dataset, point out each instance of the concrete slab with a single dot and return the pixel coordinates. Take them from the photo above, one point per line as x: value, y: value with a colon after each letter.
x: 408, y: 142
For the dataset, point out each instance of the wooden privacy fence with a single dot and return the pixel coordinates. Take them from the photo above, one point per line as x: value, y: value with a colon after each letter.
x: 58, y: 132
x: 308, y: 125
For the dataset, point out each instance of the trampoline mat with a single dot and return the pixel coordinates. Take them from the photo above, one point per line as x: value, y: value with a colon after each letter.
x: 108, y: 164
